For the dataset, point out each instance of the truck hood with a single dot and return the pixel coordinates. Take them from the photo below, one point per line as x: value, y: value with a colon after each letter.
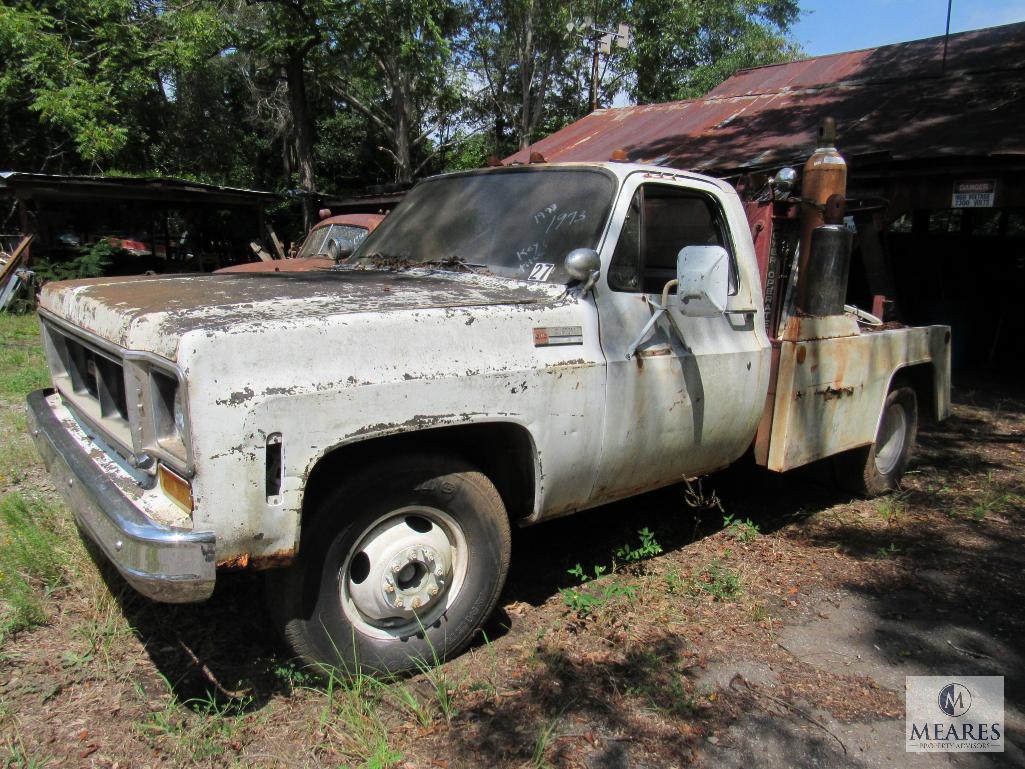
x: 152, y: 313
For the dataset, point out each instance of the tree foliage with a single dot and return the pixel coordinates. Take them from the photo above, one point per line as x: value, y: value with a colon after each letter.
x: 684, y: 49
x: 337, y: 94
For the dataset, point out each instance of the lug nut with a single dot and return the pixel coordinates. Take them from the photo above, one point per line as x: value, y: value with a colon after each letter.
x: 389, y: 588
x: 433, y: 590
x: 395, y: 567
x: 439, y: 572
x: 416, y: 603
x: 398, y: 602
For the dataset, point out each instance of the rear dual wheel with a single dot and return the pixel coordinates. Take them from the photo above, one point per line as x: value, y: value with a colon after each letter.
x: 397, y: 569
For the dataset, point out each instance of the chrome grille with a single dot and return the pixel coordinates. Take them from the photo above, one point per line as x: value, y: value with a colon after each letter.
x: 92, y: 381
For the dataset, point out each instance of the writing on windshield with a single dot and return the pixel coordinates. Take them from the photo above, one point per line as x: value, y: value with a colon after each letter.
x: 516, y: 222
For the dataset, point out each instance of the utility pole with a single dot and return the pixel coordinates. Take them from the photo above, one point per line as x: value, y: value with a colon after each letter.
x: 601, y: 42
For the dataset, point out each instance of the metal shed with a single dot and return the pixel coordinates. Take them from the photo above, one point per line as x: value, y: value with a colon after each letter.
x: 161, y: 224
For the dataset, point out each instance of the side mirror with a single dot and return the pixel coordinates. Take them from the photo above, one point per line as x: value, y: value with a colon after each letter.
x: 703, y: 275
x: 582, y: 263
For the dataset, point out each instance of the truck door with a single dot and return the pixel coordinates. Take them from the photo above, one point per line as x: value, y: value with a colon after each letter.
x: 689, y: 401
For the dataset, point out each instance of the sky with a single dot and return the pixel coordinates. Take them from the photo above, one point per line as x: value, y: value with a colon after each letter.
x: 832, y: 26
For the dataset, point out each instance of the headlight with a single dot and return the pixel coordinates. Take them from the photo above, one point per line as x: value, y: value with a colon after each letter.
x: 169, y: 428
x: 179, y: 414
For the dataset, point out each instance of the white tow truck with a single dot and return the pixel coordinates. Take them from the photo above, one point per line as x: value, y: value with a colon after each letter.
x: 510, y: 345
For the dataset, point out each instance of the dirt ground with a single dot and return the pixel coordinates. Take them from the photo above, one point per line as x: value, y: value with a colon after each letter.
x: 781, y: 640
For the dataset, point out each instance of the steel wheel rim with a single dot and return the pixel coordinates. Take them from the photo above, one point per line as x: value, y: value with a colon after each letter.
x: 891, y: 437
x: 404, y: 573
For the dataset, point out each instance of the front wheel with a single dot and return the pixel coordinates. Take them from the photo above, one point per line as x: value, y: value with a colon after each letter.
x: 877, y: 469
x: 398, y: 567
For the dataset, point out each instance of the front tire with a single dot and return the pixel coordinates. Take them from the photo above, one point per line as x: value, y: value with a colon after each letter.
x: 397, y: 568
x: 877, y: 469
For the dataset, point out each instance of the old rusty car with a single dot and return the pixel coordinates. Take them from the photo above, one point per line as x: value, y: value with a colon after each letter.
x: 330, y: 239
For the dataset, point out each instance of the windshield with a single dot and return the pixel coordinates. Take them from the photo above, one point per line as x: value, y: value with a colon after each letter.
x: 519, y: 223
x: 348, y: 236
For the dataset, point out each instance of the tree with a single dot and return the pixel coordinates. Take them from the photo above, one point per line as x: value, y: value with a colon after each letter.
x: 84, y: 68
x: 516, y: 49
x: 393, y: 63
x: 285, y: 35
x: 683, y: 49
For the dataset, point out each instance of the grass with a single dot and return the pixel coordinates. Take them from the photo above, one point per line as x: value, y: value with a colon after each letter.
x: 22, y: 366
x: 195, y: 730
x: 717, y: 580
x: 991, y: 499
x: 39, y: 548
x: 546, y: 735
x: 33, y: 560
x: 352, y: 716
x: 892, y: 508
x: 22, y: 369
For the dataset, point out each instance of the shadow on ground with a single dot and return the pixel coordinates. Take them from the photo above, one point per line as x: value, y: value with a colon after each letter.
x: 953, y: 606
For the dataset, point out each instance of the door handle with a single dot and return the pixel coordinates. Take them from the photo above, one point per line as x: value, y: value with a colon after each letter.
x: 746, y: 311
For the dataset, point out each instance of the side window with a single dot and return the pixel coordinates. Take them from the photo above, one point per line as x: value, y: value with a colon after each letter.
x: 625, y: 270
x: 661, y: 221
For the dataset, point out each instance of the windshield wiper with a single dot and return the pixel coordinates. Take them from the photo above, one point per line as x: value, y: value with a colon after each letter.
x: 458, y: 263
x: 391, y: 262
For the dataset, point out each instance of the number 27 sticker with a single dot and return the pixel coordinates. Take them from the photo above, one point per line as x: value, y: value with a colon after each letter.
x: 541, y: 271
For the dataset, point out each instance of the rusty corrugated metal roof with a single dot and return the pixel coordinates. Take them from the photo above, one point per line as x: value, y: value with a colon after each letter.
x: 892, y: 102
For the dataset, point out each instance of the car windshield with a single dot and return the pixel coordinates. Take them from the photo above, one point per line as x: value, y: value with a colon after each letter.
x: 518, y: 223
x: 348, y: 236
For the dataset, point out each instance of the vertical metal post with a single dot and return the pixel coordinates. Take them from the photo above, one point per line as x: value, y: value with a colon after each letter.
x: 946, y: 37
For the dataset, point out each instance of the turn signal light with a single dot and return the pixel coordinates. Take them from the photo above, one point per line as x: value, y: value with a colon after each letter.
x: 177, y: 489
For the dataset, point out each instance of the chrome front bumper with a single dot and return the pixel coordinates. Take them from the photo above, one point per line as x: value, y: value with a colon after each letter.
x: 162, y: 563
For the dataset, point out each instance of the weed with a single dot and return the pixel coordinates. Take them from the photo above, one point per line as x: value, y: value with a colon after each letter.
x: 580, y: 601
x: 17, y: 757
x: 437, y: 678
x: 992, y: 501
x: 890, y: 551
x: 616, y: 589
x: 545, y: 736
x: 292, y: 675
x: 88, y: 261
x: 409, y: 703
x: 351, y: 713
x: 760, y: 613
x: 717, y: 580
x: 586, y: 602
x: 382, y: 757
x: 672, y: 698
x: 649, y: 548
x: 740, y: 531
x: 196, y: 729
x: 694, y: 496
x: 674, y: 582
x: 490, y: 685
x: 892, y: 508
x: 578, y: 572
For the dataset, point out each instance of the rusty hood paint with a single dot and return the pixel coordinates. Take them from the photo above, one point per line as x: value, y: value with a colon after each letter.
x: 152, y: 313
